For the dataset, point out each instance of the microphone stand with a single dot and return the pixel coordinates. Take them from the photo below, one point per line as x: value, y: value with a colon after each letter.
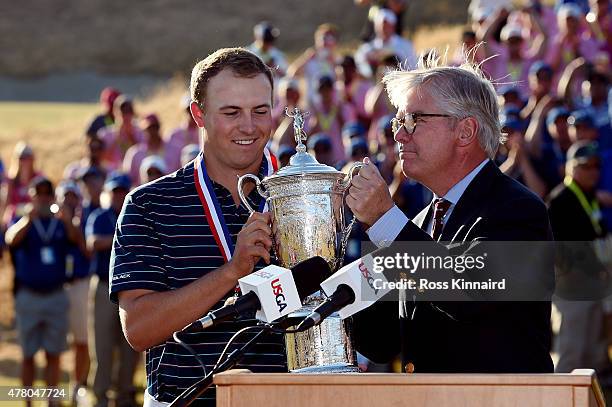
x: 189, y: 395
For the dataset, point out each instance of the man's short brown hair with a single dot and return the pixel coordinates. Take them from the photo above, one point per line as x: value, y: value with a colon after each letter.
x: 241, y: 61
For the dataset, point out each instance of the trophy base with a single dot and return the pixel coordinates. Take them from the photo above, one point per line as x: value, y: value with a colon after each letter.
x: 335, y: 368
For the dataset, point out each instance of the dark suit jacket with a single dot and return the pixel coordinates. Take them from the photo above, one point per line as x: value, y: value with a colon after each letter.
x: 478, y: 337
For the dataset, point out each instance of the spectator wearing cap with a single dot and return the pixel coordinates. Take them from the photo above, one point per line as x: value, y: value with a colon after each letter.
x: 540, y: 85
x: 328, y: 115
x: 317, y: 61
x: 153, y: 145
x: 107, y: 333
x: 397, y: 7
x: 321, y: 146
x: 284, y: 154
x: 599, y: 21
x: 576, y: 221
x: 357, y: 150
x: 592, y: 88
x: 518, y: 164
x: 39, y: 243
x: 572, y: 41
x: 94, y: 156
x: 370, y: 54
x: 386, y: 154
x: 469, y: 51
x: 189, y: 153
x: 581, y: 127
x: 511, y: 96
x: 91, y: 183
x: 556, y: 124
x: 68, y: 198
x: 152, y: 168
x: 265, y: 35
x: 288, y: 97
x: 547, y: 15
x: 352, y: 130
x: 353, y: 88
x: 122, y: 135
x: 14, y: 191
x: 510, y: 60
x: 107, y: 117
x: 187, y: 133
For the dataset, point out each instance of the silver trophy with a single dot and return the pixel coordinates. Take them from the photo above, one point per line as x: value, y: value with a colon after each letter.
x: 306, y: 201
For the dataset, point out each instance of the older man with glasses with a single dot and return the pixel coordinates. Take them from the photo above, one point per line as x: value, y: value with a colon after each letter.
x: 448, y: 130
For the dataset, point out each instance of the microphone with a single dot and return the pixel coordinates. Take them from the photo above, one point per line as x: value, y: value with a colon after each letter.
x: 351, y: 289
x: 272, y: 291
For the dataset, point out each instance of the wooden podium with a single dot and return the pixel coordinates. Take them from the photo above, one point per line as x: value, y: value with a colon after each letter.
x: 240, y: 388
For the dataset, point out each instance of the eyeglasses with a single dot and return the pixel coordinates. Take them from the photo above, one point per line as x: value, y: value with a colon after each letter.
x: 409, y: 121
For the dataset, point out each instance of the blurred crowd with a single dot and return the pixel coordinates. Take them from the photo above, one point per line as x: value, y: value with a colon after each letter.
x: 550, y: 66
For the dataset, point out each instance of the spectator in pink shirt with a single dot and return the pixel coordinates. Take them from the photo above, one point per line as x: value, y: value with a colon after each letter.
x: 353, y: 88
x: 572, y: 41
x: 510, y: 60
x: 119, y: 137
x: 94, y: 152
x: 288, y: 97
x: 600, y: 24
x: 153, y: 145
x: 182, y: 136
x: 328, y: 116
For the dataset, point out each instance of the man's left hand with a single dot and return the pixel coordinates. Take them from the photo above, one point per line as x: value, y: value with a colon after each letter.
x: 368, y: 195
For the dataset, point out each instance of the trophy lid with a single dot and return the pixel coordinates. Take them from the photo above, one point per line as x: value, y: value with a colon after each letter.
x: 301, y: 162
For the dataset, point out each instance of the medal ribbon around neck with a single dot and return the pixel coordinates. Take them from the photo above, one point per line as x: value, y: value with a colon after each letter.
x: 214, y: 216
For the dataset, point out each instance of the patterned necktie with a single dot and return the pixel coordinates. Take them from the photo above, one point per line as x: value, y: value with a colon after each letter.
x: 441, y: 206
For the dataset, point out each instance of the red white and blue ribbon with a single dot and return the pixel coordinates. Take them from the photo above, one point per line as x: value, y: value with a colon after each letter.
x: 214, y: 216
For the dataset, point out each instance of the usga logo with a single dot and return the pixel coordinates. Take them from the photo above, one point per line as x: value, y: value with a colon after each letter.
x: 277, y: 289
x: 367, y: 276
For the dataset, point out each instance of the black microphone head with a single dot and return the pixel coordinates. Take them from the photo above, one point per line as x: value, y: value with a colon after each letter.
x: 309, y: 274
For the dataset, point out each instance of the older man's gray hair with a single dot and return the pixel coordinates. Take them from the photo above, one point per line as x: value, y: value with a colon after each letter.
x: 460, y: 91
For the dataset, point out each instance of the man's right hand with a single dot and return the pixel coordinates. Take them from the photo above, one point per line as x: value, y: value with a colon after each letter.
x: 253, y: 243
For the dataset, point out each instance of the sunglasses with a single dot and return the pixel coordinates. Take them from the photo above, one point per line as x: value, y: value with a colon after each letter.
x: 409, y: 121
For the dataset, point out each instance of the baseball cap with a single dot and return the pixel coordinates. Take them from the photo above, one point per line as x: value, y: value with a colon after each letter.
x: 507, y: 89
x: 511, y: 31
x: 555, y: 113
x: 23, y: 150
x: 481, y: 13
x: 153, y: 161
x: 512, y: 123
x: 109, y: 95
x: 583, y: 151
x: 189, y: 152
x: 353, y: 129
x: 539, y: 66
x: 319, y: 140
x: 117, y: 180
x: 41, y: 181
x: 385, y: 15
x: 569, y: 10
x: 149, y: 121
x: 285, y: 149
x: 67, y: 186
x: 581, y: 118
x: 356, y: 144
x: 90, y: 171
x: 266, y: 32
x: 325, y: 81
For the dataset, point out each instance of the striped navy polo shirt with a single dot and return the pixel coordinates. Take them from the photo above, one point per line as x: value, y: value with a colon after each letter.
x: 163, y: 242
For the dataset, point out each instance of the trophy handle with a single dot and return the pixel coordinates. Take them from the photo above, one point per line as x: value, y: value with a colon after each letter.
x: 260, y: 191
x: 351, y: 170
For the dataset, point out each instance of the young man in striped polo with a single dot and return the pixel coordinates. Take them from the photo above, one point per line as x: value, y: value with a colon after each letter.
x: 183, y: 241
